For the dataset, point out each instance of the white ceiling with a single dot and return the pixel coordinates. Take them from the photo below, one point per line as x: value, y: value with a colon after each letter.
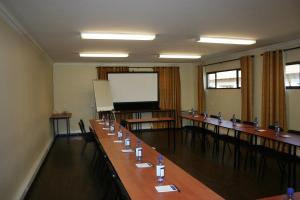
x: 56, y: 25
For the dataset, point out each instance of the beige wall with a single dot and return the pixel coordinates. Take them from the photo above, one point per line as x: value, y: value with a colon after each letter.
x: 293, y: 95
x: 226, y: 101
x: 73, y: 89
x: 26, y: 103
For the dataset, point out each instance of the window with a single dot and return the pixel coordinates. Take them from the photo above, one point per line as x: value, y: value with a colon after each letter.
x: 224, y: 79
x: 292, y: 75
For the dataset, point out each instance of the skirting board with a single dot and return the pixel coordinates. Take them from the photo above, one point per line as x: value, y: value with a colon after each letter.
x: 32, y: 174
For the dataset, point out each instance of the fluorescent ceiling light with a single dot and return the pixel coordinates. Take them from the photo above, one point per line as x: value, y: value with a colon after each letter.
x: 117, y: 36
x: 184, y: 56
x: 104, y: 55
x: 226, y: 40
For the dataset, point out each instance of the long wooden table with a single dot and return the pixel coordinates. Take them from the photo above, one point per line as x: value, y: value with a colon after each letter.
x: 140, y: 183
x: 169, y: 120
x: 293, y: 141
x: 281, y: 197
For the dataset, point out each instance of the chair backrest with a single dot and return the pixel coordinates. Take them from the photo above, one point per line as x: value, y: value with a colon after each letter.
x: 214, y: 116
x: 273, y: 127
x: 294, y: 131
x: 81, y: 126
x: 249, y: 123
x: 237, y: 120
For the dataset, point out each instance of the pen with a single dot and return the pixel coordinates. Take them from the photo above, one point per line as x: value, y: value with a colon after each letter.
x: 176, y: 188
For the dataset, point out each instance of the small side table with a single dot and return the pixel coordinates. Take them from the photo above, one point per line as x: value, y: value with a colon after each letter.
x: 55, y: 117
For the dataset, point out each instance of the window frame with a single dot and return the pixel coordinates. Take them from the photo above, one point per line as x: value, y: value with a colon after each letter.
x: 215, y: 72
x: 291, y: 63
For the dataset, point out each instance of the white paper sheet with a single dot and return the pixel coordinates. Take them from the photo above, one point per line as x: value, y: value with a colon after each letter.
x: 110, y: 133
x: 143, y: 165
x: 127, y: 150
x: 118, y: 141
x: 285, y: 136
x: 166, y: 188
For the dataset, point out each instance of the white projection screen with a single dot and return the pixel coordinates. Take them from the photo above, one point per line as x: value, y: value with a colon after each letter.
x: 134, y: 87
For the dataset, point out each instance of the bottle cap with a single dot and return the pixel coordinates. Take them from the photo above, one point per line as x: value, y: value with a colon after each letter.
x: 290, y: 191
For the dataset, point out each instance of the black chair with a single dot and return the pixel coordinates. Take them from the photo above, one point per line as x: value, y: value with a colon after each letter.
x: 89, y: 137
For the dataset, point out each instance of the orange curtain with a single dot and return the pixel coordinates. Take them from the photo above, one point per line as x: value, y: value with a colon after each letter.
x: 103, y: 71
x: 201, y: 92
x: 247, y: 87
x: 169, y: 90
x: 273, y: 90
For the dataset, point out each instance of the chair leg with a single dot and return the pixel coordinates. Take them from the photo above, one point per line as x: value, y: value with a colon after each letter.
x: 83, y: 148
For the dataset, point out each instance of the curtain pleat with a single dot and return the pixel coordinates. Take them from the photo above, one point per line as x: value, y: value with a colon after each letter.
x: 247, y: 87
x: 273, y: 90
x: 201, y: 92
x: 169, y: 90
x: 103, y: 71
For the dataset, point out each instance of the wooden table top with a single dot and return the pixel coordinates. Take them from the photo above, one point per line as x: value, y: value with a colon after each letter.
x: 155, y: 119
x: 140, y: 183
x: 284, y: 137
x: 63, y: 115
x: 281, y: 197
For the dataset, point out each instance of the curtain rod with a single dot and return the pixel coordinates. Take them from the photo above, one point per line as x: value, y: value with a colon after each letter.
x: 222, y: 62
x: 288, y: 49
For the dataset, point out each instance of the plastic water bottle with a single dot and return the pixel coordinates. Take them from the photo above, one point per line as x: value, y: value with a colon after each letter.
x: 120, y: 133
x: 233, y: 120
x: 219, y: 118
x: 193, y: 112
x: 290, y: 194
x: 256, y: 123
x: 276, y: 129
x: 160, y: 169
x: 138, y: 151
x: 111, y: 127
x: 127, y: 141
x: 205, y: 115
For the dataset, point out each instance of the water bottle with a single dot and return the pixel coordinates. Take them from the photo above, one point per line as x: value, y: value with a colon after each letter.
x: 219, y: 118
x: 138, y: 151
x: 290, y: 193
x: 111, y: 127
x: 106, y: 123
x: 276, y: 128
x: 127, y: 141
x: 120, y: 133
x: 233, y: 120
x: 160, y: 169
x: 256, y: 123
x: 193, y: 112
x: 205, y: 115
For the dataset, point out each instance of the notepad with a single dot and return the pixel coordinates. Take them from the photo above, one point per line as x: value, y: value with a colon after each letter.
x: 110, y: 133
x: 143, y: 165
x: 261, y: 130
x: 127, y: 150
x: 166, y: 188
x: 105, y: 129
x: 196, y: 116
x: 118, y: 141
x: 285, y: 136
x: 101, y: 123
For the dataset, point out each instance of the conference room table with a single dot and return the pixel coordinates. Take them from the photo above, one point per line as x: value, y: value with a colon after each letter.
x: 290, y: 139
x: 140, y: 182
x: 282, y: 197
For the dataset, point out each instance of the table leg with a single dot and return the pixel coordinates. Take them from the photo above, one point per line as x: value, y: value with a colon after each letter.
x: 53, y: 125
x: 57, y: 129
x: 290, y: 167
x: 68, y: 126
x: 294, y: 167
x: 174, y: 134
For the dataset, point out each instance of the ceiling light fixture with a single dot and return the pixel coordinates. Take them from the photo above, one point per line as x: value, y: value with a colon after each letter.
x: 183, y: 56
x: 226, y: 40
x: 117, y: 36
x: 104, y: 55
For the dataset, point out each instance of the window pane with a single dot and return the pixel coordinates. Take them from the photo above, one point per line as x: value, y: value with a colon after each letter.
x: 211, y: 80
x: 240, y: 78
x: 226, y: 79
x: 292, y: 75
